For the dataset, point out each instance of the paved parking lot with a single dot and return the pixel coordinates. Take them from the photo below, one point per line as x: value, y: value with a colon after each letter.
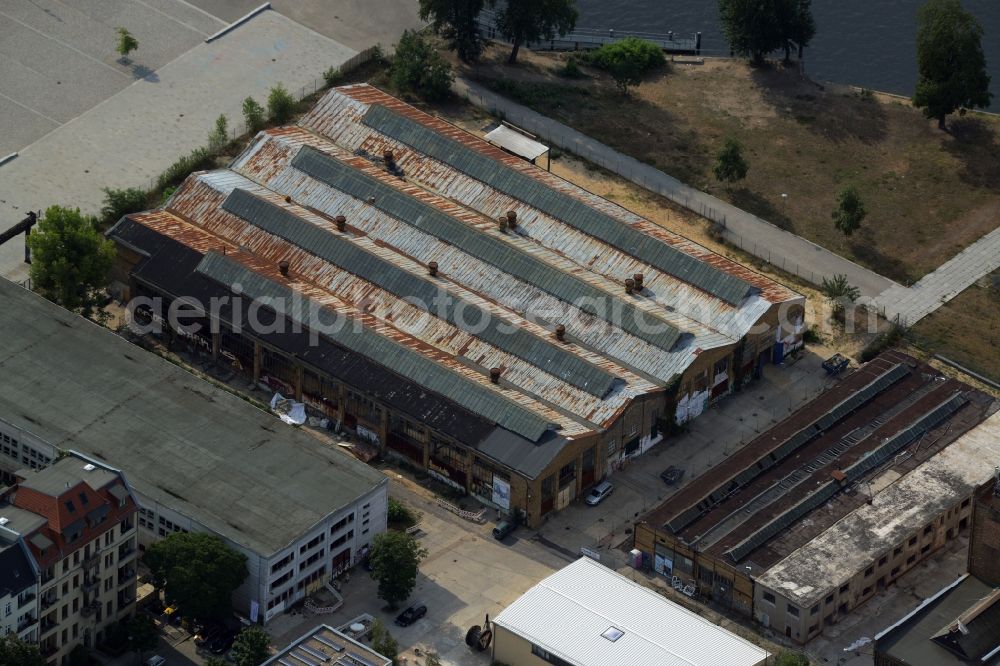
x: 57, y: 57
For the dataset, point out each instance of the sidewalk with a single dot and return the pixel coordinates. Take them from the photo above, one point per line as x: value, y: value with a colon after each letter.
x: 752, y: 234
x: 950, y: 279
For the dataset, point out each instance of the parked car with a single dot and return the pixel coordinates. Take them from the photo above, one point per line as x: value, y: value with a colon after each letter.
x: 502, y: 529
x: 411, y: 615
x: 156, y: 660
x: 599, y: 492
x: 204, y: 636
x: 222, y: 642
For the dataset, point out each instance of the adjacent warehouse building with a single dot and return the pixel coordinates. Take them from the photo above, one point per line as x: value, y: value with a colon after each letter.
x: 198, y: 457
x: 508, y: 331
x: 961, y: 623
x: 834, y: 503
x: 588, y: 615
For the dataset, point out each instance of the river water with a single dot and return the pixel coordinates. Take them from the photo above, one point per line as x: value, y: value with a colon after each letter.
x: 868, y: 43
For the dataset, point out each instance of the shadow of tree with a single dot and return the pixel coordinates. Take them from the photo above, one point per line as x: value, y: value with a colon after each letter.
x: 753, y: 202
x: 976, y: 145
x: 144, y: 73
x: 834, y: 116
x: 867, y: 254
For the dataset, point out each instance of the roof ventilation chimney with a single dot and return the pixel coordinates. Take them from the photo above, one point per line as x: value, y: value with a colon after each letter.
x: 638, y: 277
x: 288, y: 199
x: 495, y: 375
x: 512, y: 219
x: 341, y: 222
x: 432, y: 268
x: 283, y: 267
x: 629, y: 285
x: 502, y: 223
x: 371, y: 200
x: 560, y: 332
x: 388, y: 157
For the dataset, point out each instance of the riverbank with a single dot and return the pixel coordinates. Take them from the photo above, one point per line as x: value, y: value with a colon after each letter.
x: 929, y: 194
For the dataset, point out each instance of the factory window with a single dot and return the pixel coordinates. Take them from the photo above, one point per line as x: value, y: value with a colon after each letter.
x: 769, y: 598
x: 612, y: 447
x: 567, y: 474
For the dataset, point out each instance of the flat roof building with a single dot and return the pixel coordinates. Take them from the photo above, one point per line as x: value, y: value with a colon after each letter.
x: 831, y: 505
x: 588, y: 615
x: 326, y: 645
x: 198, y: 457
x: 508, y: 331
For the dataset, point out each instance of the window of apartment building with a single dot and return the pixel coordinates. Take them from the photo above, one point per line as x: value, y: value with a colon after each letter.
x: 65, y: 636
x: 897, y: 550
x: 769, y: 598
x: 66, y: 565
x: 342, y: 539
x: 913, y: 541
x: 65, y: 589
x: 65, y: 611
x: 110, y: 608
x: 109, y: 560
x: 865, y: 592
x: 76, y: 604
x: 282, y: 563
x: 793, y: 611
x: 882, y: 560
x: 845, y: 587
x: 315, y: 541
x: 895, y: 570
x: 925, y: 549
x: 109, y: 536
x: 814, y: 609
x: 108, y: 584
x: 911, y: 559
x: 927, y: 530
x: 869, y: 571
x: 76, y: 628
x: 340, y: 524
x: 829, y: 598
x: 7, y: 609
x: 965, y: 502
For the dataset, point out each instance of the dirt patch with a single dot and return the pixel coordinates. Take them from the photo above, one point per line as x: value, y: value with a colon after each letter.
x: 928, y: 193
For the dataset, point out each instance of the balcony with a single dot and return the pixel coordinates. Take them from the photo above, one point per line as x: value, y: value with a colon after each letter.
x: 48, y: 624
x: 126, y: 552
x: 91, y: 583
x: 88, y: 609
x: 126, y: 576
x: 49, y: 650
x: 25, y: 599
x: 48, y: 575
x: 47, y: 600
x: 25, y: 623
x: 92, y: 562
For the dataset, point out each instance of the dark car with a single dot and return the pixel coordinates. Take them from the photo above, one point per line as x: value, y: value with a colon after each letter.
x: 222, y: 642
x: 411, y: 615
x: 205, y: 635
x: 502, y: 529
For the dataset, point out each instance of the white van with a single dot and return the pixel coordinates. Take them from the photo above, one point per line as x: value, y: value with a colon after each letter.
x: 599, y: 492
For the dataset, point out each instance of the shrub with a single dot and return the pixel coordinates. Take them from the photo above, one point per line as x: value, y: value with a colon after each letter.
x: 881, y: 342
x: 571, y: 70
x: 628, y: 60
x: 333, y: 77
x: 399, y: 514
x: 197, y: 160
x: 253, y: 114
x: 280, y: 105
x: 419, y: 69
x: 118, y: 203
x: 219, y: 137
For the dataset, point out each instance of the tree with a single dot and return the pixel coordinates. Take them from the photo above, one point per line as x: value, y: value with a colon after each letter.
x: 119, y: 203
x: 216, y: 661
x: 142, y: 634
x: 15, y: 652
x: 458, y: 22
x: 850, y: 210
x: 839, y: 292
x: 70, y: 259
x: 432, y: 660
x: 252, y: 647
x: 799, y: 25
x: 951, y: 68
x: 79, y: 656
x: 198, y: 572
x: 253, y: 114
x: 524, y: 21
x: 754, y: 28
x: 280, y: 104
x: 730, y: 166
x: 417, y: 67
x: 383, y: 642
x: 126, y: 43
x: 628, y: 61
x: 219, y: 137
x: 395, y: 557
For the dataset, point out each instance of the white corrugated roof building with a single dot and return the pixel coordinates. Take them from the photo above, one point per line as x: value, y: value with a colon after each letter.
x: 589, y: 615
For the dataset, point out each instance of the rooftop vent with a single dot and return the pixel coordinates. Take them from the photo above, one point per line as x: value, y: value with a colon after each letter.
x: 341, y: 222
x: 512, y: 219
x: 89, y: 467
x: 629, y: 285
x: 432, y: 268
x: 495, y: 375
x: 613, y: 634
x: 4, y: 521
x: 502, y: 223
x: 638, y: 277
x: 288, y: 199
x: 560, y: 332
x: 283, y: 267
